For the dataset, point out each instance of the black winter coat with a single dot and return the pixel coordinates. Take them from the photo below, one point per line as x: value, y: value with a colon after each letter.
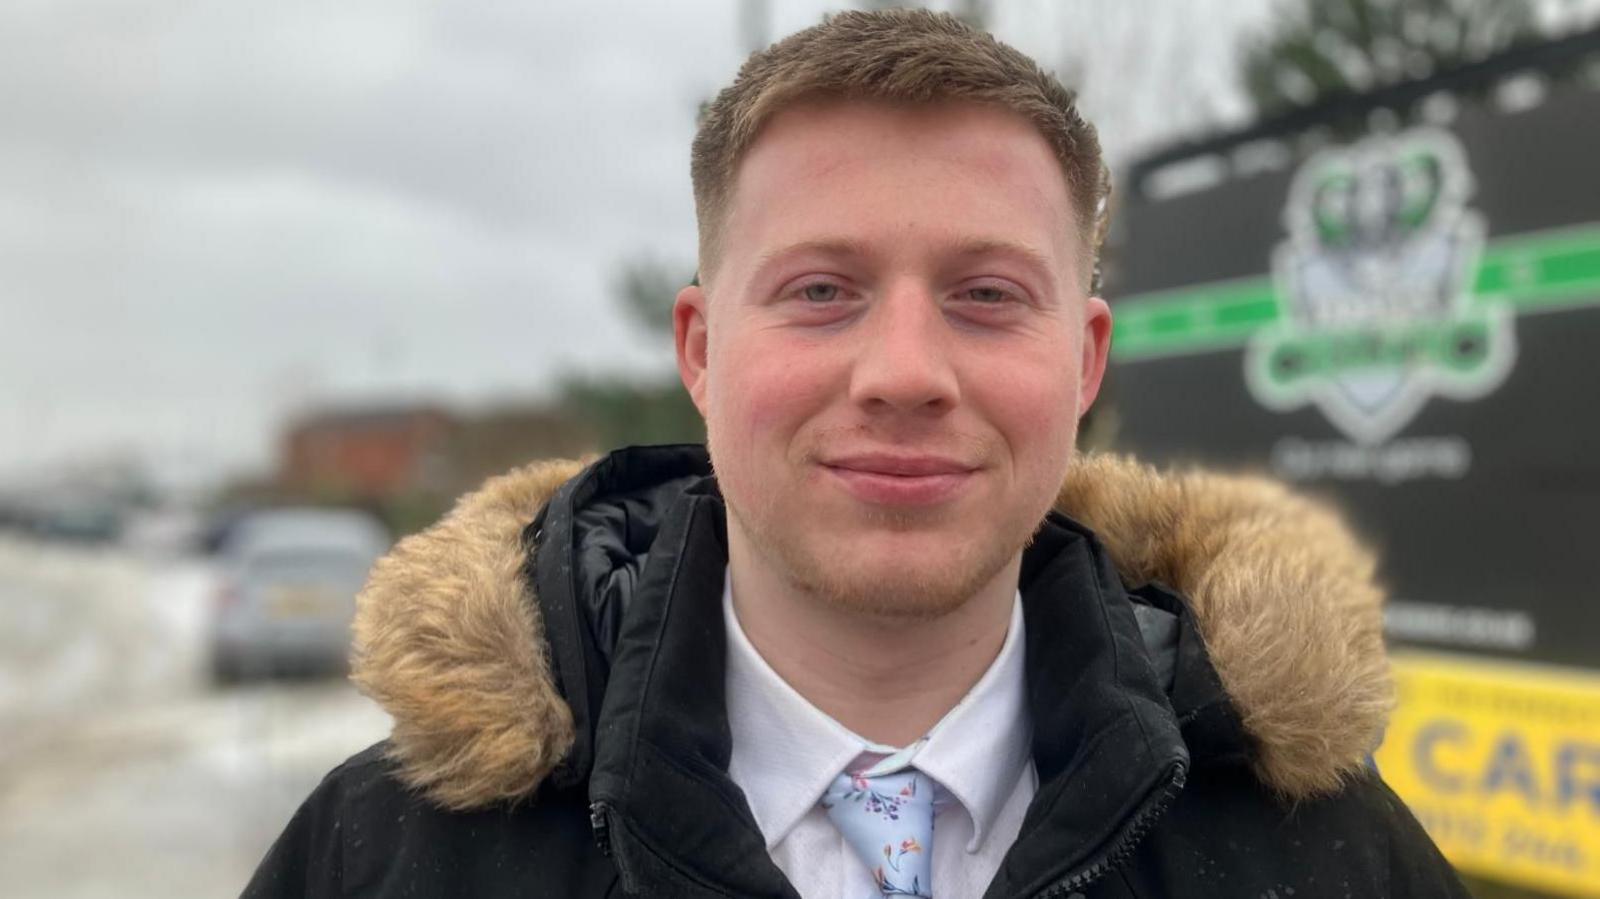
x: 552, y: 654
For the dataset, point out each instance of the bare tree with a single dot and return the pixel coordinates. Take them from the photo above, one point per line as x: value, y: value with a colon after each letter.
x: 1317, y: 48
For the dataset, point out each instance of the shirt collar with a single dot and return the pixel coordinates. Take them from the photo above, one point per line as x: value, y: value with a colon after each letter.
x: 786, y: 752
x: 979, y: 749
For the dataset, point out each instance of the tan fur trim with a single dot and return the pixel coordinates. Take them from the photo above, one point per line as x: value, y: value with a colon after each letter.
x: 447, y: 643
x: 1284, y: 598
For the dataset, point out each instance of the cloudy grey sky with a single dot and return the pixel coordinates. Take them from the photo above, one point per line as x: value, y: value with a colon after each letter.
x: 214, y: 213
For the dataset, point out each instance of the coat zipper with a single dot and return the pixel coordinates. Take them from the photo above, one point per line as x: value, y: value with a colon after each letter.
x: 600, y: 821
x: 1115, y: 857
x: 602, y: 827
x: 1123, y: 848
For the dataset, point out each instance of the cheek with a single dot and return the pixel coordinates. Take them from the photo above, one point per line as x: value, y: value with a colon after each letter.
x: 765, y: 386
x: 1032, y: 398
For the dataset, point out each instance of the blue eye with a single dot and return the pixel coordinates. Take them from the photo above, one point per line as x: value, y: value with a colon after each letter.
x: 987, y: 295
x: 820, y: 293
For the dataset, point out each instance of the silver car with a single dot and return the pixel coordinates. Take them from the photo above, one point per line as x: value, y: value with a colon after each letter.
x: 288, y: 581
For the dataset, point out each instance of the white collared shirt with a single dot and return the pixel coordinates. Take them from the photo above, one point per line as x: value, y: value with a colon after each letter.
x: 786, y: 752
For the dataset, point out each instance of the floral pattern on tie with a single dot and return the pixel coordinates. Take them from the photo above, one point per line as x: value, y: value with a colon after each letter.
x: 888, y: 820
x: 861, y: 788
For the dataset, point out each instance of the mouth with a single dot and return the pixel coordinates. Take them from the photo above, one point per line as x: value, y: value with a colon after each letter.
x: 900, y: 480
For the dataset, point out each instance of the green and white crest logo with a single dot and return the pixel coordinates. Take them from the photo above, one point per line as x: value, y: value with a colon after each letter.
x: 1374, y: 286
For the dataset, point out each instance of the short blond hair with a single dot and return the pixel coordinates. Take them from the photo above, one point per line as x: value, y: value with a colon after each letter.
x: 899, y: 56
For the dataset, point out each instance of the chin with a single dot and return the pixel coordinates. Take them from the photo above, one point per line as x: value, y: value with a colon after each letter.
x: 897, y: 575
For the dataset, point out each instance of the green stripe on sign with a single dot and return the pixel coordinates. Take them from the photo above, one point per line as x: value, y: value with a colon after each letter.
x: 1251, y: 312
x: 1205, y: 316
x: 1534, y: 272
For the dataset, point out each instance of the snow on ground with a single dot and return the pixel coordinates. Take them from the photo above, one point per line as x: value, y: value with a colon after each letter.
x: 82, y: 627
x: 122, y: 771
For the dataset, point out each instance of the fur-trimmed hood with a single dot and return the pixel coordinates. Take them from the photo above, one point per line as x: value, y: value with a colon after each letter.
x: 449, y: 643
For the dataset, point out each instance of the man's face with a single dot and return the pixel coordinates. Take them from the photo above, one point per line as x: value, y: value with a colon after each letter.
x: 893, y: 349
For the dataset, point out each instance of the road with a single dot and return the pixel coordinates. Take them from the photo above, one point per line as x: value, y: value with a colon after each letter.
x: 123, y: 772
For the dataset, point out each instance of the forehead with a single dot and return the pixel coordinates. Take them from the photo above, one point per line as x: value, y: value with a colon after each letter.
x: 869, y: 171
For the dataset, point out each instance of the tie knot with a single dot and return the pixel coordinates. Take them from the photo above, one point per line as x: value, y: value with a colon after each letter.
x: 888, y: 821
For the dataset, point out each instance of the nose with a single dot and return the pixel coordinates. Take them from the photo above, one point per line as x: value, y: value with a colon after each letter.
x: 904, y: 359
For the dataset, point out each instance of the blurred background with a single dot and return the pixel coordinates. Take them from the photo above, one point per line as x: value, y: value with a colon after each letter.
x: 278, y: 282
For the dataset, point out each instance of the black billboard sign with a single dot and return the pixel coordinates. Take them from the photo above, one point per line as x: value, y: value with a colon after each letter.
x: 1409, y: 319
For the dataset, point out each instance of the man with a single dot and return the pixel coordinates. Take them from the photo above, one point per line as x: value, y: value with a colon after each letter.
x: 874, y: 655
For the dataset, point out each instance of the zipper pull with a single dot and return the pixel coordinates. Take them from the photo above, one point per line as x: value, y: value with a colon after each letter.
x: 601, y: 826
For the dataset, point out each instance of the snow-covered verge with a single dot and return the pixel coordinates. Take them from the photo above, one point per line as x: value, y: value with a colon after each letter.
x: 122, y: 772
x: 86, y: 627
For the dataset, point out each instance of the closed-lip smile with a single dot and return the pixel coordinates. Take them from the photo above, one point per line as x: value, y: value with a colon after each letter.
x: 900, y: 479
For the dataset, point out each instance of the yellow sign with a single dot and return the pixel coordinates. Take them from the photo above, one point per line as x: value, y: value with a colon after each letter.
x: 1501, y: 763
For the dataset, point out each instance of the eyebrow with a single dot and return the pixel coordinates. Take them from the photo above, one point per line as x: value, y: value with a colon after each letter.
x: 838, y: 247
x: 1022, y: 253
x: 969, y: 247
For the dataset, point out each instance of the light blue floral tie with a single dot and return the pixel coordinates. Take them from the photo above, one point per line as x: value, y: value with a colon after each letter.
x: 886, y: 815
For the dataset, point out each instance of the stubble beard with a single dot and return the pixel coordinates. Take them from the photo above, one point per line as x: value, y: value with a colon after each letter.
x: 911, y: 589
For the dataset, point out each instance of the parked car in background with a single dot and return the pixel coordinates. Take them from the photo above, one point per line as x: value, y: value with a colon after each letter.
x: 288, y: 579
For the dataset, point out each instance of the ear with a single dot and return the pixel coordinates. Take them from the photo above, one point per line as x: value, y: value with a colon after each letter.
x: 689, y: 335
x: 1096, y: 351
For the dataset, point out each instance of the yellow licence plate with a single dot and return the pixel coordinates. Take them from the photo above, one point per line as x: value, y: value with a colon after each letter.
x: 300, y: 602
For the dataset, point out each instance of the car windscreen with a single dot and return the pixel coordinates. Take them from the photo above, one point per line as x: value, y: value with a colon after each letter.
x: 308, y: 565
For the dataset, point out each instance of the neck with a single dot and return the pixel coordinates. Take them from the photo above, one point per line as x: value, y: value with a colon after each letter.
x: 890, y: 691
